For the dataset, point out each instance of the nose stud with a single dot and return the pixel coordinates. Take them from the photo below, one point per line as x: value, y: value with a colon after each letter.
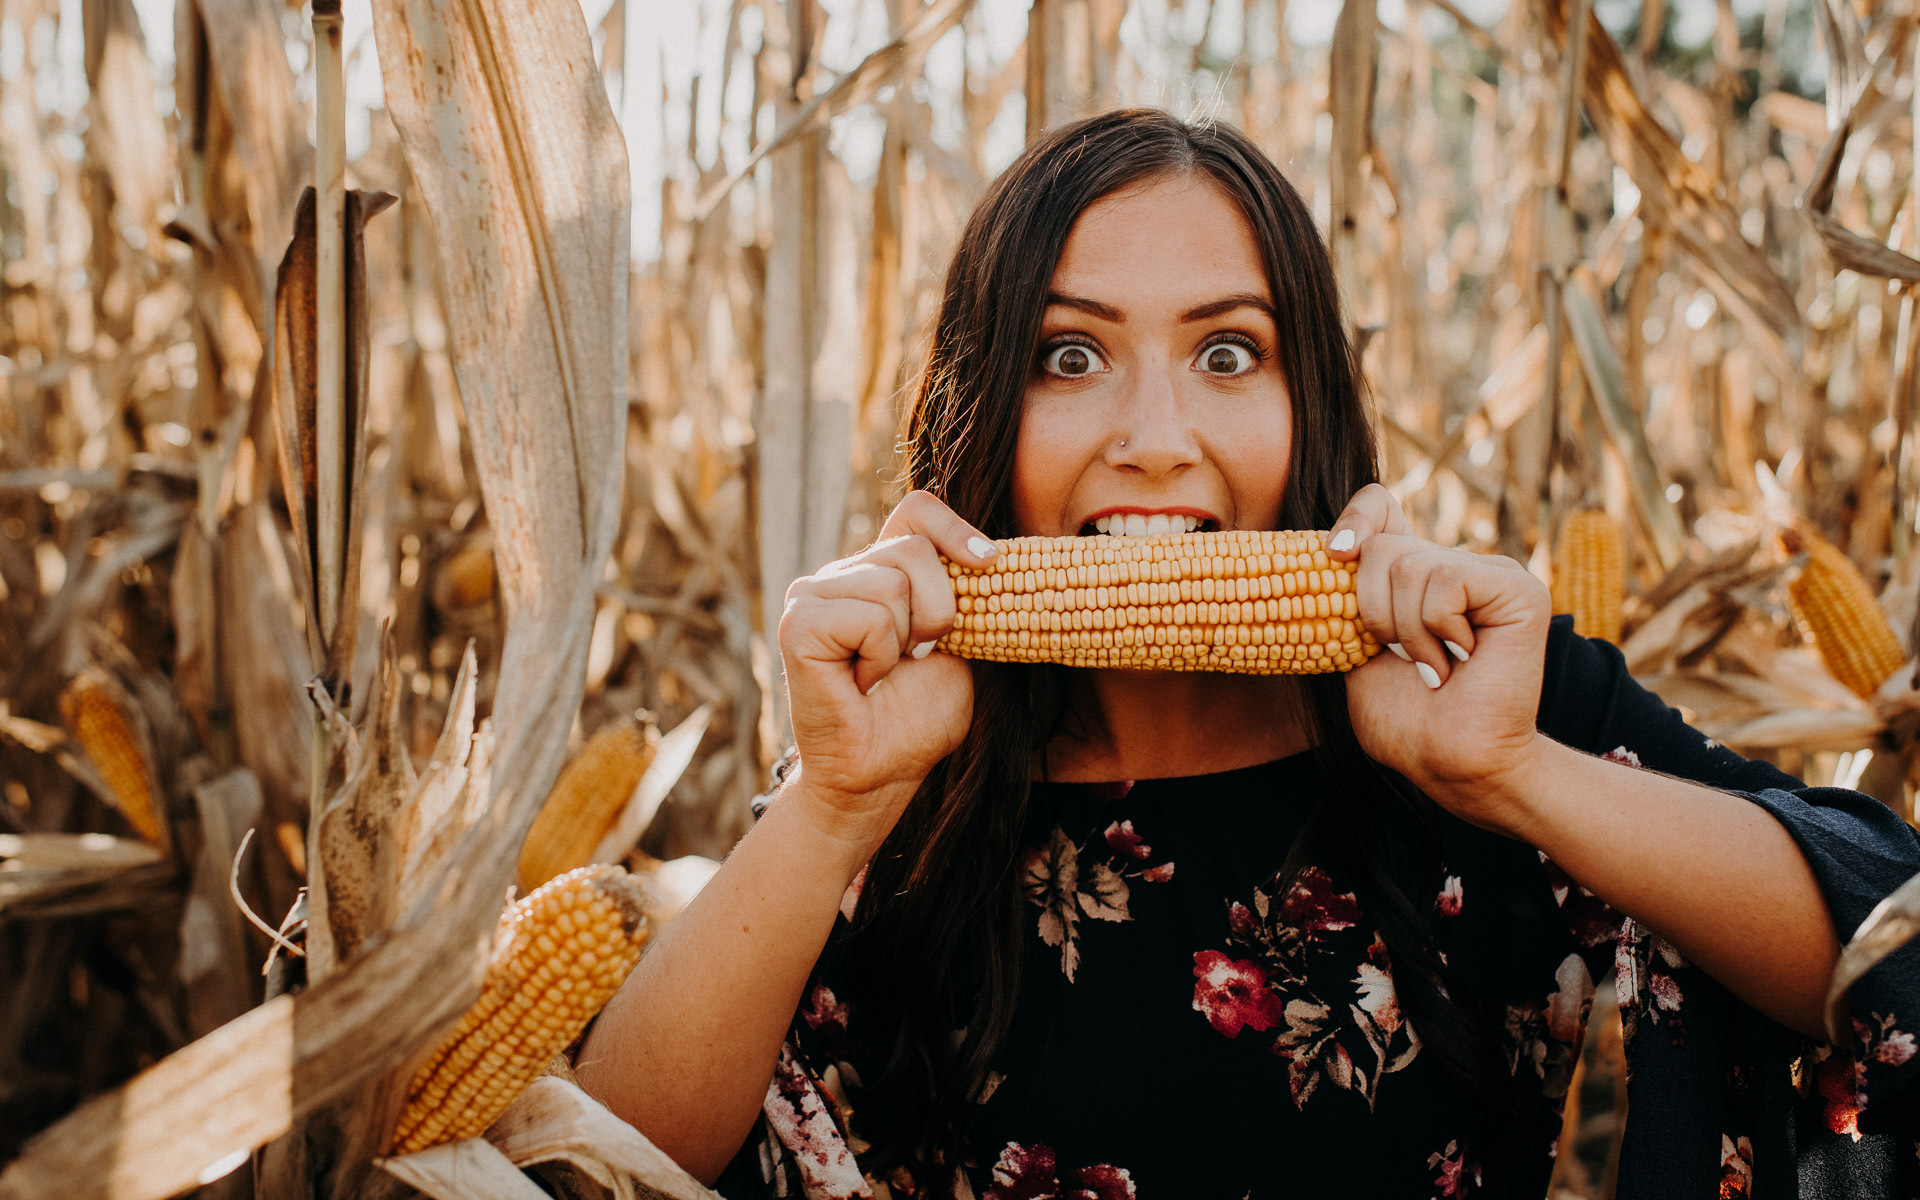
x: 1123, y: 443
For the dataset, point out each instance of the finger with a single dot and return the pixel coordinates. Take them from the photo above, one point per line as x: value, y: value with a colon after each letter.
x: 1443, y: 609
x: 850, y: 640
x: 1373, y: 588
x: 1373, y: 510
x: 923, y: 513
x: 931, y: 604
x: 876, y: 582
x: 1407, y: 581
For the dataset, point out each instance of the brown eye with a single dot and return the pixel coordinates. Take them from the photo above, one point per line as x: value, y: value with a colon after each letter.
x: 1071, y: 360
x: 1227, y: 358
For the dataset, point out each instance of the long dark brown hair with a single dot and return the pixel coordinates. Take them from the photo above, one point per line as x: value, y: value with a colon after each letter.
x: 933, y: 961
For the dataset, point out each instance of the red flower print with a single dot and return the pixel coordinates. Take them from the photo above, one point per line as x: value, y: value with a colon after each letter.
x: 1024, y: 1173
x: 1240, y: 919
x: 1451, y: 1173
x: 1621, y: 754
x: 1234, y: 994
x: 1032, y: 1173
x: 823, y: 1011
x: 1315, y: 908
x: 1159, y: 874
x: 1447, y: 903
x: 1124, y: 840
x: 806, y: 1122
x: 1837, y: 1080
x: 1100, y: 1182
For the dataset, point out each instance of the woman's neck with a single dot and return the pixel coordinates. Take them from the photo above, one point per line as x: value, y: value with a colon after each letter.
x: 1139, y: 725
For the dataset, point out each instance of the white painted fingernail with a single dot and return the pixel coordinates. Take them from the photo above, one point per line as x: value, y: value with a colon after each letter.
x: 1342, y: 541
x: 1458, y: 651
x: 1428, y: 675
x: 982, y: 547
x: 1396, y: 648
x: 923, y: 649
x: 878, y: 682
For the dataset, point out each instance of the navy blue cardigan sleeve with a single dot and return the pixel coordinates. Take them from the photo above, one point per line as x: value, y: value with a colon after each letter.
x: 1716, y: 1089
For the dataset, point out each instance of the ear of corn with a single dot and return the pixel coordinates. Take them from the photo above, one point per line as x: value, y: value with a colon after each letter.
x: 1848, y: 624
x: 1590, y: 574
x: 1243, y: 601
x: 585, y: 802
x: 559, y: 956
x: 465, y: 580
x: 100, y: 718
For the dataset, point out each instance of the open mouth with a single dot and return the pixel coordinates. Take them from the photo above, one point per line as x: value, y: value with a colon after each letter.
x: 1141, y: 525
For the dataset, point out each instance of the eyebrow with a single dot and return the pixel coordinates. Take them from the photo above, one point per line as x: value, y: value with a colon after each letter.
x: 1201, y: 312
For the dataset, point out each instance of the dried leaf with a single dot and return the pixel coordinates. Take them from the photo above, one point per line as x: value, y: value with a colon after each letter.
x: 465, y: 1170
x: 670, y: 761
x: 554, y: 1120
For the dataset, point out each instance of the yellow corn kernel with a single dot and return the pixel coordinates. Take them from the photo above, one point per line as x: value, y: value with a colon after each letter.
x: 1590, y: 574
x: 99, y: 716
x: 585, y: 802
x: 1240, y: 600
x: 1838, y: 608
x: 559, y: 956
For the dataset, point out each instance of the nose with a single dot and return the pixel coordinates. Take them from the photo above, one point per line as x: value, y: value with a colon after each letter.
x: 1155, y: 436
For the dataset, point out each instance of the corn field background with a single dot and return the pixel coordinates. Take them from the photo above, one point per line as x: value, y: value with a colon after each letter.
x: 1653, y: 258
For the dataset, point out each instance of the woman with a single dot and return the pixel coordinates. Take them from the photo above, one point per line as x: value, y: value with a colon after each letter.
x: 1107, y: 933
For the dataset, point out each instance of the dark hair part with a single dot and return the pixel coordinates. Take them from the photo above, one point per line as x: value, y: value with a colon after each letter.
x: 937, y: 944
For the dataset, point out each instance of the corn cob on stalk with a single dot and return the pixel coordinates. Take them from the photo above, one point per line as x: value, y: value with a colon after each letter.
x: 1590, y: 574
x: 100, y: 717
x: 1848, y: 625
x: 1241, y: 601
x: 585, y: 802
x: 559, y: 955
x: 466, y: 579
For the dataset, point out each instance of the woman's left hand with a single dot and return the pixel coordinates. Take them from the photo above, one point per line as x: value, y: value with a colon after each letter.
x: 1454, y: 708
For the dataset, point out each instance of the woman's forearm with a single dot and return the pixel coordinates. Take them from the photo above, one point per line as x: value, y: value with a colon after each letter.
x: 685, y: 1050
x: 1711, y: 872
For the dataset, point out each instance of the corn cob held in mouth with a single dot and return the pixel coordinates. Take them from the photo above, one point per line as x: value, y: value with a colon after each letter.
x: 1239, y: 600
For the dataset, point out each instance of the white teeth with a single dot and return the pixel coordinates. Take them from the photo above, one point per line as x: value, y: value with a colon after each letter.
x: 1141, y: 525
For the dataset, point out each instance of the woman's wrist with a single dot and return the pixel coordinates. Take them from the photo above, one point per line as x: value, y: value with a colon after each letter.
x: 847, y: 829
x: 1511, y: 796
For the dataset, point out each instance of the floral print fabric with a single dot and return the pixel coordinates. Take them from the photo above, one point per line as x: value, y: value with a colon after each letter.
x: 1205, y: 1033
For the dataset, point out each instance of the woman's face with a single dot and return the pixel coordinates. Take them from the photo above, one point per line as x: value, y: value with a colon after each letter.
x: 1156, y: 403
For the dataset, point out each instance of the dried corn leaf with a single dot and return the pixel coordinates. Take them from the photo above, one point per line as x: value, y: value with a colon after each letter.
x: 331, y: 603
x: 869, y: 75
x: 465, y: 1170
x: 65, y: 874
x: 125, y: 134
x: 1683, y: 197
x: 670, y: 760
x: 247, y: 63
x: 1606, y: 384
x: 554, y: 1120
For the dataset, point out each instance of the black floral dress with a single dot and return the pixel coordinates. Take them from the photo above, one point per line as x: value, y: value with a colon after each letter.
x: 1184, y: 1030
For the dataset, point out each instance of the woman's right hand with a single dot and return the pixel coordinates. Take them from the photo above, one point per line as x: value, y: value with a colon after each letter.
x: 870, y: 715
